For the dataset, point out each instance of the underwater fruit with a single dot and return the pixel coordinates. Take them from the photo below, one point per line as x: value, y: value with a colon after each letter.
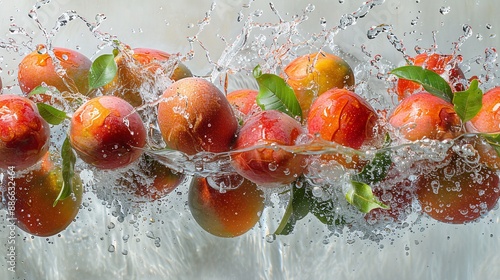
x: 225, y: 214
x: 154, y: 182
x: 458, y: 192
x: 33, y: 193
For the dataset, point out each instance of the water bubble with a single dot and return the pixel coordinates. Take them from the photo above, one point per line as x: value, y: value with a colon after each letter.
x: 374, y: 31
x: 111, y: 248
x: 347, y: 20
x: 270, y: 238
x: 272, y: 166
x: 33, y: 14
x: 445, y: 10
x: 111, y: 225
x: 322, y: 22
x: 310, y: 8
x: 258, y: 13
x: 317, y: 191
x: 467, y: 30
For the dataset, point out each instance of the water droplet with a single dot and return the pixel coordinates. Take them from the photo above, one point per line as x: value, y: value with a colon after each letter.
x: 111, y: 248
x: 310, y: 8
x: 258, y: 13
x: 445, y: 10
x: 270, y: 238
x: 150, y: 234
x: 317, y: 191
x: 272, y: 166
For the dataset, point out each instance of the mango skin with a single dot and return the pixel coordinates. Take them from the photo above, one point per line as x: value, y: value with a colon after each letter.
x: 135, y: 71
x: 195, y: 116
x: 107, y: 133
x: 313, y: 74
x: 37, y: 68
x: 24, y: 134
x: 225, y: 214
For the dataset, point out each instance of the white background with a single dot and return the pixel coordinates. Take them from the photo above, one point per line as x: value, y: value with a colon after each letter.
x: 423, y: 251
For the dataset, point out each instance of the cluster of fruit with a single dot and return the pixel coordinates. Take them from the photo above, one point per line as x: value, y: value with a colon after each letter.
x: 271, y: 135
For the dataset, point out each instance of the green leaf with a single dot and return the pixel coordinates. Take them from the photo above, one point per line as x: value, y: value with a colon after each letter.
x: 298, y: 208
x: 276, y: 94
x: 38, y: 90
x: 68, y: 170
x: 468, y: 103
x: 493, y: 140
x: 102, y: 71
x: 430, y: 80
x: 376, y: 170
x: 361, y: 196
x: 50, y: 114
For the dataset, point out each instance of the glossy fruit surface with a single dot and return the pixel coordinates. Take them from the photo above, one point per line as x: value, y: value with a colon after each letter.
x: 312, y: 74
x: 487, y: 120
x: 444, y: 65
x: 342, y: 116
x: 225, y: 214
x: 244, y: 100
x: 262, y: 163
x: 107, y: 132
x: 24, y: 134
x: 38, y: 67
x: 32, y: 195
x: 194, y: 116
x: 425, y: 116
x: 458, y: 193
x: 138, y: 68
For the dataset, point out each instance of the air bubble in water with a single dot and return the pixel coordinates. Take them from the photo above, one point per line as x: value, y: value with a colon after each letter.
x: 270, y: 238
x: 258, y: 13
x: 445, y: 10
x: 111, y: 248
x: 310, y: 8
